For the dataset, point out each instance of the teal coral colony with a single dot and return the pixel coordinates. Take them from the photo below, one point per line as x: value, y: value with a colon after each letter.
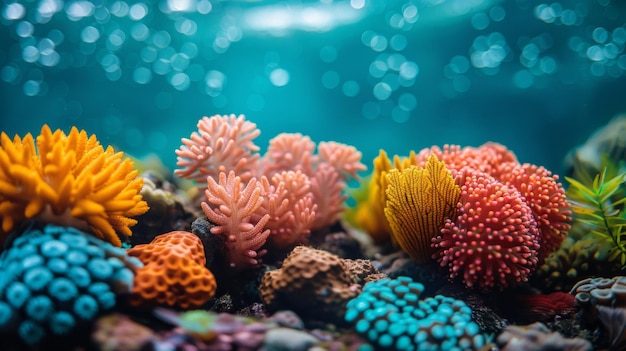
x: 312, y: 175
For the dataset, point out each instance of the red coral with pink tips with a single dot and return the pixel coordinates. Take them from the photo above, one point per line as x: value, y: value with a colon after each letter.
x: 493, y: 241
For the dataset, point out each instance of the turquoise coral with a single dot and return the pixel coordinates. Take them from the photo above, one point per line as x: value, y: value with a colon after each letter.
x: 389, y: 313
x: 56, y: 278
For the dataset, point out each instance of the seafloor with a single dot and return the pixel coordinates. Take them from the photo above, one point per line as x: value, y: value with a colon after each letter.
x: 205, y: 269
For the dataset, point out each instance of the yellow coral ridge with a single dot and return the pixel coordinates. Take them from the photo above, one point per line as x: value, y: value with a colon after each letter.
x: 418, y: 202
x: 68, y: 179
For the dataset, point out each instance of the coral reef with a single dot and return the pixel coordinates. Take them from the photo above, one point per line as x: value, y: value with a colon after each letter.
x: 313, y: 283
x: 233, y: 205
x: 56, y: 279
x: 419, y: 200
x: 68, y: 179
x: 538, y: 337
x: 493, y: 241
x: 390, y: 314
x: 174, y: 272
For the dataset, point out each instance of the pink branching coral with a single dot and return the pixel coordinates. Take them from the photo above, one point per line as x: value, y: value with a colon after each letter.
x: 486, y: 158
x: 546, y: 198
x: 343, y: 158
x: 327, y: 188
x: 289, y: 203
x: 494, y: 240
x: 231, y: 206
x: 221, y: 144
x: 289, y: 152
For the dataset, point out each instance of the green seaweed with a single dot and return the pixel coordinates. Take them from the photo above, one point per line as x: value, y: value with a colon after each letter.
x: 598, y: 202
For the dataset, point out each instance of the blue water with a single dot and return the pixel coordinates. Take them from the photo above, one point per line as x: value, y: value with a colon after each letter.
x: 398, y: 75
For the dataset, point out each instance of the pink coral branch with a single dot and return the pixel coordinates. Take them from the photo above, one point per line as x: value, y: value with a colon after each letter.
x: 231, y: 209
x: 327, y: 188
x: 221, y: 144
x: 289, y: 203
x: 289, y: 152
x: 344, y: 158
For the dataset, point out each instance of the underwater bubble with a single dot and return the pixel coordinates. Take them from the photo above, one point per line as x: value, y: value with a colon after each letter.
x: 102, y: 14
x: 610, y: 51
x: 139, y: 31
x: 190, y: 49
x: 255, y: 102
x: 56, y: 36
x: 395, y: 61
x: 234, y: 33
x: 392, y: 80
x: 461, y: 84
x: 480, y: 21
x: 119, y: 9
x: 148, y: 54
x: 161, y: 66
x: 370, y: 110
x: 407, y: 102
x: 600, y: 35
x: 186, y: 26
x: 569, y: 17
x: 382, y: 91
x: 378, y: 69
x: 597, y: 69
x: 30, y: 54
x: 595, y: 53
x: 398, y: 42
x: 619, y: 35
x: 180, y: 81
x: 110, y: 62
x: 279, y: 77
x: 13, y: 11
x: 142, y: 75
x: 46, y: 46
x: 220, y: 44
x: 179, y: 62
x: 49, y: 59
x: 328, y: 53
x: 116, y: 39
x: 24, y: 29
x: 357, y: 4
x: 409, y: 70
x: 330, y: 79
x: 497, y: 13
x: 459, y: 64
x: 114, y: 73
x: 378, y: 43
x: 350, y: 88
x: 410, y: 13
x: 31, y: 88
x: 397, y: 21
x: 545, y: 13
x: 90, y: 34
x: 138, y: 11
x: 203, y: 7
x: 367, y: 36
x: 399, y: 115
x: 78, y: 10
x: 161, y: 39
x: 215, y: 79
x: 523, y: 79
x: 548, y: 65
x: 531, y: 52
x: 10, y: 73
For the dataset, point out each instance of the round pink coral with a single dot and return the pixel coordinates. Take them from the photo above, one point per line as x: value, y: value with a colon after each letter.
x: 546, y: 197
x: 494, y: 240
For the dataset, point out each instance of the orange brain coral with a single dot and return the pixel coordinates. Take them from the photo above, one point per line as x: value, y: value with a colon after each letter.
x: 174, y: 272
x: 68, y: 179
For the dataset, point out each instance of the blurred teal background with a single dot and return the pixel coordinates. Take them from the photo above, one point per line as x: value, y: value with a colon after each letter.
x: 536, y: 76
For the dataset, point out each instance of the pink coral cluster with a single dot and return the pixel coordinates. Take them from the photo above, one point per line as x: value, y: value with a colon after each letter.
x: 509, y: 217
x: 278, y: 197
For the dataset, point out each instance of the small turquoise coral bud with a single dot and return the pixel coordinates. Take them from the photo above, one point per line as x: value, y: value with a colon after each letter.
x: 16, y: 294
x: 62, y: 289
x: 53, y: 248
x: 62, y: 322
x: 36, y: 278
x: 39, y: 308
x: 85, y: 307
x: 31, y: 332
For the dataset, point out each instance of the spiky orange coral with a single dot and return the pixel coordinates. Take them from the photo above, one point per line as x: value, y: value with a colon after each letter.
x: 68, y: 179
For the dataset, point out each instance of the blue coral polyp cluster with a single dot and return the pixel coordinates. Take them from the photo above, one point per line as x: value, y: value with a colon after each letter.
x: 57, y: 278
x: 389, y: 313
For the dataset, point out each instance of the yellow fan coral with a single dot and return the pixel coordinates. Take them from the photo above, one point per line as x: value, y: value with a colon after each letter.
x: 68, y: 179
x: 418, y: 202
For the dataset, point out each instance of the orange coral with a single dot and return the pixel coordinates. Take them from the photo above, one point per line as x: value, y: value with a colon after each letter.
x: 70, y: 180
x: 174, y: 272
x: 419, y: 200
